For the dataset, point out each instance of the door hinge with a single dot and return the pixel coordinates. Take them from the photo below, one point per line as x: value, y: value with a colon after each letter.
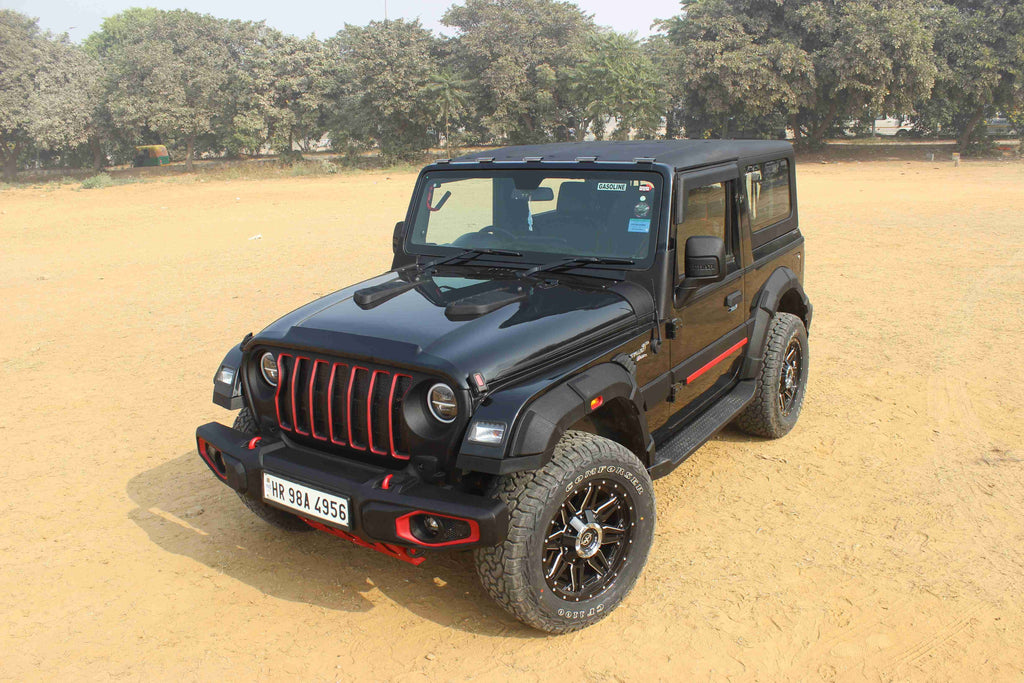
x: 671, y: 327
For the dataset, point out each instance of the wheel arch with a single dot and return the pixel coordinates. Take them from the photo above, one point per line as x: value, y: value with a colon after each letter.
x: 782, y: 292
x: 569, y: 405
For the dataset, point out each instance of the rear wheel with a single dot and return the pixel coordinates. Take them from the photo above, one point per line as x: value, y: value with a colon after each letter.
x: 782, y: 381
x: 246, y: 422
x: 579, y: 534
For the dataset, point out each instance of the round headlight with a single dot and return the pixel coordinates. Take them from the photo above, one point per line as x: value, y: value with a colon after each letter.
x: 268, y: 366
x: 443, y: 405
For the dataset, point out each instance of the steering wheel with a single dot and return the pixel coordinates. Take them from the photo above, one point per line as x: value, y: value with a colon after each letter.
x: 498, y: 232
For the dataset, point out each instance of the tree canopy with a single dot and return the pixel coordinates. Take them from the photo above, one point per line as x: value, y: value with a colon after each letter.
x: 513, y: 71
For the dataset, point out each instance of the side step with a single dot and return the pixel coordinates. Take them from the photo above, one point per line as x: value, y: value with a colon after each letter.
x: 673, y: 452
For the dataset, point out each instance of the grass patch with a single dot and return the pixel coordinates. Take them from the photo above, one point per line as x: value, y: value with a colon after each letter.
x: 105, y: 180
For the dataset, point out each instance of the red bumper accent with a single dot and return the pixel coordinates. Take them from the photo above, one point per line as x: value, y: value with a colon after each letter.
x: 399, y: 553
x: 403, y: 530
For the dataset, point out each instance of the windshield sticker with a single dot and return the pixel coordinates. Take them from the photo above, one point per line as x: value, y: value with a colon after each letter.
x: 612, y: 187
x: 639, y: 225
x: 646, y: 186
x: 642, y: 210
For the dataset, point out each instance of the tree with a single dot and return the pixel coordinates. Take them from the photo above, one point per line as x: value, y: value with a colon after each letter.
x: 518, y: 51
x: 450, y: 98
x: 615, y: 80
x: 980, y: 49
x: 48, y: 90
x: 169, y: 71
x: 810, y: 63
x: 381, y: 72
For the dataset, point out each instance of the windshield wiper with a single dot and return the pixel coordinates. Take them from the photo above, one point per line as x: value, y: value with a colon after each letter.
x: 464, y: 254
x: 578, y: 261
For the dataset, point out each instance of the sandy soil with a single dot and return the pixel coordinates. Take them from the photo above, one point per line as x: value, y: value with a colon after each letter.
x: 883, y: 539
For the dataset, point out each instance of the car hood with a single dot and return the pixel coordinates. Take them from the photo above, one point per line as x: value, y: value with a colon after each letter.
x: 461, y: 324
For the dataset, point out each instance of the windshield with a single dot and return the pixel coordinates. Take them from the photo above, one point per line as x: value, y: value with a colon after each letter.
x: 603, y: 214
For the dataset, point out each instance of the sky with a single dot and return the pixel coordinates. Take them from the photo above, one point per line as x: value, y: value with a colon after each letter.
x: 79, y: 18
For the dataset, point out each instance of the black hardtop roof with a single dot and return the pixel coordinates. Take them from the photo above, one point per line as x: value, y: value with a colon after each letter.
x: 678, y: 154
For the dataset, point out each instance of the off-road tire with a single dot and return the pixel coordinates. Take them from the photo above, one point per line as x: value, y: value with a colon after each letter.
x: 763, y: 416
x: 513, y: 573
x: 245, y: 421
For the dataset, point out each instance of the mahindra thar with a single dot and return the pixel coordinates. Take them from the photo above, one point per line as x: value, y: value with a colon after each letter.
x: 561, y: 324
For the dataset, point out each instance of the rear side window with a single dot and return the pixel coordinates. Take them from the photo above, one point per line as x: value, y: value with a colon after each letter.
x: 767, y: 187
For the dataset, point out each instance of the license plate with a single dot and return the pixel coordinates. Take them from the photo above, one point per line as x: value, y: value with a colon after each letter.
x: 309, y: 502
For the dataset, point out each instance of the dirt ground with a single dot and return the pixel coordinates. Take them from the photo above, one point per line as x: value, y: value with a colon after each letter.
x: 883, y: 539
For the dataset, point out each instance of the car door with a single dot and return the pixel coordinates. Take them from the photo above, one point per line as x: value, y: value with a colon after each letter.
x: 710, y: 322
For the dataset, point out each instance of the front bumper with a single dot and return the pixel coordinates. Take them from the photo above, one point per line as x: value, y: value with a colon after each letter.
x: 380, y: 501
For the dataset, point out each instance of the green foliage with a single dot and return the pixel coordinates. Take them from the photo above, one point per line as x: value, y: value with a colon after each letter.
x: 169, y: 71
x: 811, y: 64
x: 615, y: 79
x: 383, y: 70
x: 97, y: 181
x: 48, y: 87
x: 979, y: 49
x: 101, y: 180
x: 516, y: 71
x: 519, y: 52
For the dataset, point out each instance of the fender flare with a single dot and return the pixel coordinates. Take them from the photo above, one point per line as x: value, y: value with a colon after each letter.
x: 548, y: 412
x: 547, y: 418
x: 765, y: 306
x: 230, y: 397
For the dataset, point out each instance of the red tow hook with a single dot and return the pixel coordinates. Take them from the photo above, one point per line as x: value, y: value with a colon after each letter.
x: 255, y: 440
x: 386, y: 482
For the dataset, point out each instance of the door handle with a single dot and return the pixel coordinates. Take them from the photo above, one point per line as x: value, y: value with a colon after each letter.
x: 732, y: 301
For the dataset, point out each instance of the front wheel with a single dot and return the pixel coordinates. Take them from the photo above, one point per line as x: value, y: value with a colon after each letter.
x: 579, y: 533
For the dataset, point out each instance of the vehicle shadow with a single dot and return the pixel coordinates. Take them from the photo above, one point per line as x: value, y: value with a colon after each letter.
x: 187, y: 512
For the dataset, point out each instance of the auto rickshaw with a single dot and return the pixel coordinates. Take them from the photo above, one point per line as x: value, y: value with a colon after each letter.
x: 151, y: 155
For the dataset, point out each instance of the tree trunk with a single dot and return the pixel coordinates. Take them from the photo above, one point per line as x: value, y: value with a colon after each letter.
x: 98, y: 158
x: 797, y: 133
x: 9, y: 156
x: 965, y: 136
x: 447, y: 132
x: 817, y: 134
x: 191, y: 148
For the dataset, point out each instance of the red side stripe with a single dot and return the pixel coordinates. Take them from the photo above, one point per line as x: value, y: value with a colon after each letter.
x: 718, y: 359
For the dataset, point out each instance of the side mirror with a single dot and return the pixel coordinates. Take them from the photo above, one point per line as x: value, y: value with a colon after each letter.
x: 704, y: 261
x: 396, y: 238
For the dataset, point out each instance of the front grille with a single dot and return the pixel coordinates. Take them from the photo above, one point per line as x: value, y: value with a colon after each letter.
x: 344, y: 404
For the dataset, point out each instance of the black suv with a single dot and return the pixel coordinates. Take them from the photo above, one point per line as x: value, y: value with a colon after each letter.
x: 561, y: 324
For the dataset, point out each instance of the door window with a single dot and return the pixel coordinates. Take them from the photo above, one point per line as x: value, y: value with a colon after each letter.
x: 705, y: 214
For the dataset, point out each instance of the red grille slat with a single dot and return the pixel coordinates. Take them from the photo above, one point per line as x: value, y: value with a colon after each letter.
x: 296, y: 376
x: 281, y: 374
x: 330, y: 403
x: 351, y: 384
x: 328, y: 410
x: 369, y: 411
x: 312, y: 401
x: 391, y: 416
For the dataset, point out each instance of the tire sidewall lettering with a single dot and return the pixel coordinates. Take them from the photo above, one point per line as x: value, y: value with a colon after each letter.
x: 614, y: 470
